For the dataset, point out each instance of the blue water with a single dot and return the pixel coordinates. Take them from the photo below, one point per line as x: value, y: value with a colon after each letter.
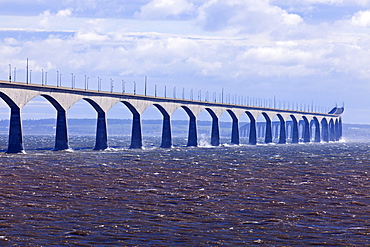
x: 264, y: 195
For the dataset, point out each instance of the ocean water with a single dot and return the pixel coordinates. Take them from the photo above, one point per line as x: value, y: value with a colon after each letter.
x: 264, y: 195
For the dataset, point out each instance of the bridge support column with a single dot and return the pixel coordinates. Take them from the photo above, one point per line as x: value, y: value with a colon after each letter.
x: 252, y: 130
x: 101, y: 142
x: 215, y: 132
x: 166, y: 131
x: 136, y: 136
x: 192, y: 135
x: 325, y: 130
x: 282, y: 136
x: 340, y: 129
x: 15, y: 143
x: 306, y: 130
x: 295, y: 136
x: 337, y: 130
x: 331, y: 131
x: 268, y: 134
x: 317, y: 131
x: 61, y: 135
x: 235, y: 129
x: 166, y: 128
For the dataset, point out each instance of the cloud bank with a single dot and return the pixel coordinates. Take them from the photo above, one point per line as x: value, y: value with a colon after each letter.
x: 255, y: 48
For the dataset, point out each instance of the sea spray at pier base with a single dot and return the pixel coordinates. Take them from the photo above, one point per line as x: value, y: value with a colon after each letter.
x: 296, y: 194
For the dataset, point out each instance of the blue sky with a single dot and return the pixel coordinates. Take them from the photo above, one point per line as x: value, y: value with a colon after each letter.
x: 307, y: 51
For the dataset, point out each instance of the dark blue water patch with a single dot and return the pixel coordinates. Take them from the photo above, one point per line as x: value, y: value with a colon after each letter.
x: 269, y: 195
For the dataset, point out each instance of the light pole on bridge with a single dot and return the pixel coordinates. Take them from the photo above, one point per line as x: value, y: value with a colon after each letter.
x: 46, y: 78
x: 27, y: 72
x: 15, y: 69
x: 10, y: 73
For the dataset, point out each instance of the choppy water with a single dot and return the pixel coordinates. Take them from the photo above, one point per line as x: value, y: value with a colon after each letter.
x: 267, y: 195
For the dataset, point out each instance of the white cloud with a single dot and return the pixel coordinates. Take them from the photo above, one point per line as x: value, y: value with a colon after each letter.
x: 242, y: 45
x: 361, y: 19
x: 323, y: 2
x: 47, y: 18
x: 64, y: 13
x: 165, y: 8
x: 246, y: 16
x: 90, y: 37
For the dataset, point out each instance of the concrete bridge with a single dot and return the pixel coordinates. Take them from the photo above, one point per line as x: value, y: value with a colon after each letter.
x: 325, y: 126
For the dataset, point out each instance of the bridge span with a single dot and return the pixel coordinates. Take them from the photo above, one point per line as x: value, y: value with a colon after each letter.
x: 311, y: 126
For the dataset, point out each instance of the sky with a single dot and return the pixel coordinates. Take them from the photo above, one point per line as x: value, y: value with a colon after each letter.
x: 309, y: 52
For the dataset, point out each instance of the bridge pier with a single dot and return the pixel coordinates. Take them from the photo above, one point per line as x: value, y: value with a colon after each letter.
x: 234, y: 129
x: 306, y: 130
x: 317, y: 130
x: 166, y: 132
x: 192, y: 135
x: 282, y: 136
x: 295, y: 135
x: 136, y: 136
x: 340, y: 129
x: 15, y: 143
x: 325, y: 130
x: 215, y: 132
x: 252, y: 129
x: 61, y: 135
x: 101, y: 142
x: 331, y: 131
x: 268, y: 135
x: 337, y: 130
x: 166, y: 128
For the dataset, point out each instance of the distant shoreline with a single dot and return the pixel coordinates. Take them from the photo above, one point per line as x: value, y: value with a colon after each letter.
x: 86, y: 126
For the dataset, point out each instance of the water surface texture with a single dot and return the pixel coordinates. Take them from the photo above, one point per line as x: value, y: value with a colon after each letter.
x: 264, y: 195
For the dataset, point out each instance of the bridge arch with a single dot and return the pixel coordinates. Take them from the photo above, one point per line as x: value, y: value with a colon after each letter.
x: 282, y: 136
x: 268, y: 128
x: 325, y: 130
x: 192, y: 134
x: 252, y: 128
x: 136, y: 132
x: 101, y: 137
x: 331, y: 130
x: 234, y: 128
x: 215, y: 131
x: 15, y: 140
x: 337, y: 130
x: 166, y: 127
x: 315, y: 125
x: 61, y: 132
x: 294, y: 130
x: 306, y: 129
